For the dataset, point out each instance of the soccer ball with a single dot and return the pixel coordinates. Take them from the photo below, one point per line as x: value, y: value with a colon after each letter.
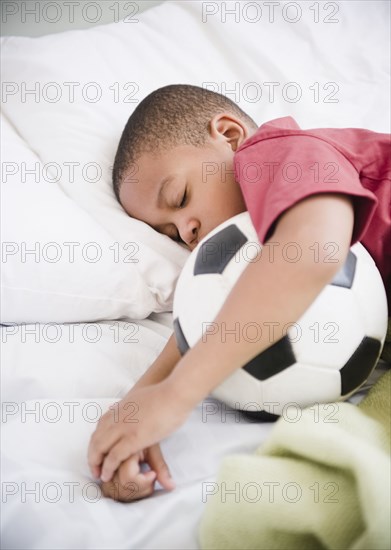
x: 326, y: 356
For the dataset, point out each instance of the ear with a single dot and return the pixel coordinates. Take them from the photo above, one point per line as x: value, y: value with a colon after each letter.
x: 228, y: 127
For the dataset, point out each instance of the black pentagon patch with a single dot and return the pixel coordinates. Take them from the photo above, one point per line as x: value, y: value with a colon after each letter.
x: 261, y: 416
x: 218, y: 251
x: 345, y: 275
x: 181, y: 341
x: 272, y: 361
x: 360, y: 365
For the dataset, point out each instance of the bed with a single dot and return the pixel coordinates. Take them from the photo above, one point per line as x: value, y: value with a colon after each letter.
x: 86, y: 291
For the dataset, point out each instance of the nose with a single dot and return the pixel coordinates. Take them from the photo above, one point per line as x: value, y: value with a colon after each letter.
x: 188, y: 228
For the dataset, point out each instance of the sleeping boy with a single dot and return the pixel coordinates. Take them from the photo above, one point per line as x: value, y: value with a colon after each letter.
x: 189, y: 159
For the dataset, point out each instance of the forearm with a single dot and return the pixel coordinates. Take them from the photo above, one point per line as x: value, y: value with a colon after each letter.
x: 269, y: 293
x: 265, y: 295
x: 162, y: 366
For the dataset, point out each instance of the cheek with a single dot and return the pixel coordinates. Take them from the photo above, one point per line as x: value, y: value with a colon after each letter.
x: 221, y: 207
x: 221, y: 199
x: 234, y: 200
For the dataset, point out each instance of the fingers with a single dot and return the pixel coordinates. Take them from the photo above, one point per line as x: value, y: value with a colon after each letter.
x: 100, y: 443
x: 130, y: 468
x: 128, y: 483
x: 110, y: 445
x: 95, y: 471
x: 129, y: 491
x: 155, y: 459
x: 131, y: 477
x: 117, y: 454
x: 97, y: 450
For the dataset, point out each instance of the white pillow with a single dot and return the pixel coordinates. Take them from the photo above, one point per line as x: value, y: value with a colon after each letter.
x: 59, y: 282
x: 334, y: 62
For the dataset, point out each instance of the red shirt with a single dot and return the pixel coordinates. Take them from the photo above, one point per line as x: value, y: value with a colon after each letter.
x: 281, y: 164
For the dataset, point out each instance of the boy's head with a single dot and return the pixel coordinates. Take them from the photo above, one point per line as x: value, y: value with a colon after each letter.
x: 174, y: 164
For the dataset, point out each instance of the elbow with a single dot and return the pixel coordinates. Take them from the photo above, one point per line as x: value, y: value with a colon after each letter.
x: 320, y: 228
x: 314, y: 260
x: 329, y: 263
x: 323, y: 261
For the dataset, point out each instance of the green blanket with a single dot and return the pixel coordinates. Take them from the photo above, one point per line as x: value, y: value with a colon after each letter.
x: 320, y: 482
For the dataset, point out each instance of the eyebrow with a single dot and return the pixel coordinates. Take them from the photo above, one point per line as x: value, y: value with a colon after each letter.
x: 160, y: 195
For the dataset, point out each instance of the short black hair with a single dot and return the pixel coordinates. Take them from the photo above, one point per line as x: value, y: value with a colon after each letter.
x: 174, y: 115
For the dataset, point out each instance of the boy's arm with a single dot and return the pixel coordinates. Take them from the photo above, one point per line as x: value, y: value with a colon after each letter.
x: 271, y: 290
x: 161, y: 367
x: 158, y: 371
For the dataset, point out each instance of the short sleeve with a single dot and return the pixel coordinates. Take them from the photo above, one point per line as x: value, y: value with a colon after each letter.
x: 276, y: 173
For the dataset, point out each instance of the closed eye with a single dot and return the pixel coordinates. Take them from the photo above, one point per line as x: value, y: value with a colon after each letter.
x: 184, y: 199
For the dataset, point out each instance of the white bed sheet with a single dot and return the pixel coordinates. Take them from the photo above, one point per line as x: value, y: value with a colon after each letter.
x: 354, y: 55
x: 51, y: 399
x: 49, y: 459
x: 49, y: 498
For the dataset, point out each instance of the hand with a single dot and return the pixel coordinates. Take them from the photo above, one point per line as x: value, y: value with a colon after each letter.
x: 129, y: 483
x: 144, y: 417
